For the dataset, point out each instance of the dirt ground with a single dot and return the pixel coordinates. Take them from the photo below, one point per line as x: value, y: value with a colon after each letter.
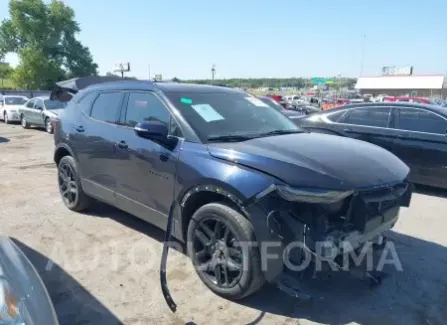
x: 102, y: 267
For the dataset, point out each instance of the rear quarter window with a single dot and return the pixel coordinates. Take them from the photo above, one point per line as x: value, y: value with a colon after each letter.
x: 335, y: 117
x: 86, y: 102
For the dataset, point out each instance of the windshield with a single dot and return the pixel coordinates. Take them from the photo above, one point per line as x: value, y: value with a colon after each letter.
x: 272, y: 103
x: 54, y: 104
x: 229, y: 114
x: 15, y: 100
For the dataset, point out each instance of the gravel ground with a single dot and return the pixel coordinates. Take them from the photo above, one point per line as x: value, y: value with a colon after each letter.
x: 102, y: 267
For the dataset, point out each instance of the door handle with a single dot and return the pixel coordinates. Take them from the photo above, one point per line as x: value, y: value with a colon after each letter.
x: 122, y: 144
x: 347, y: 130
x: 80, y: 128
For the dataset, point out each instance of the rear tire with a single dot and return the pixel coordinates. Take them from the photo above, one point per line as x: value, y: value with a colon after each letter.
x: 250, y: 279
x: 23, y: 121
x: 70, y: 187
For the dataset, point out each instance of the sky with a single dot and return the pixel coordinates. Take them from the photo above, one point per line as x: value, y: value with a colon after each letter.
x: 262, y: 38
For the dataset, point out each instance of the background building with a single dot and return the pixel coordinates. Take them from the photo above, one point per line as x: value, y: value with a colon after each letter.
x: 396, y: 81
x: 430, y: 86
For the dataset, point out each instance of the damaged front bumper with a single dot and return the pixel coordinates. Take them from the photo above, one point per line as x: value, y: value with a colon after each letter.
x: 326, y: 225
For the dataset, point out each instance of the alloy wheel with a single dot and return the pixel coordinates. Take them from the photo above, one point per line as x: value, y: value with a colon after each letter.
x: 67, y: 184
x: 5, y: 116
x: 217, y: 253
x: 23, y: 121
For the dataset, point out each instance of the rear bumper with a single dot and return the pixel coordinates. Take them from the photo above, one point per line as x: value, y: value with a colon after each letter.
x: 284, y: 235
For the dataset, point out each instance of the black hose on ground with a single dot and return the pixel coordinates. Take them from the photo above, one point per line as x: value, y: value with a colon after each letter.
x: 164, y: 259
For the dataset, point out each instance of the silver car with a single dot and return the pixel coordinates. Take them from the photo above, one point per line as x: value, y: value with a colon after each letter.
x: 40, y: 111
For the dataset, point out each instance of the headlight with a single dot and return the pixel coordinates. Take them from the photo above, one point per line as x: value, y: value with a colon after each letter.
x: 12, y: 309
x: 311, y: 195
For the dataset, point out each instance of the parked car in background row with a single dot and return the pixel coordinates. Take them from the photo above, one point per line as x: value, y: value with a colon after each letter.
x: 226, y: 169
x: 415, y: 133
x: 293, y: 114
x: 40, y: 111
x: 23, y: 297
x: 10, y: 106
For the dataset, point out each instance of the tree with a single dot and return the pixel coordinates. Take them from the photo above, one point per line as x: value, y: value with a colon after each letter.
x: 44, y: 37
x: 5, y: 71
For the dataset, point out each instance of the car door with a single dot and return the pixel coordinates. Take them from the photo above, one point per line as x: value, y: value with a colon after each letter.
x: 421, y: 143
x: 35, y: 112
x: 368, y: 123
x: 27, y: 109
x: 92, y: 139
x: 145, y: 186
x: 38, y: 115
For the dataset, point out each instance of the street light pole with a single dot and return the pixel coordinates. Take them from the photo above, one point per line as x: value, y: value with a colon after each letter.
x: 363, y: 55
x: 213, y: 72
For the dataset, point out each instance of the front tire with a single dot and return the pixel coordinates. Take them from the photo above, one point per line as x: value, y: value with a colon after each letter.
x: 70, y: 187
x: 23, y: 121
x: 217, y: 245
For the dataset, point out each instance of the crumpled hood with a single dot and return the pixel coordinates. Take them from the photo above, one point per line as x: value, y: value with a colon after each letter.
x: 316, y: 160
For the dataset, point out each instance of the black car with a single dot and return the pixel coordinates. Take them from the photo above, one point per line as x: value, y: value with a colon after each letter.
x: 227, y: 171
x: 416, y: 133
x: 293, y: 114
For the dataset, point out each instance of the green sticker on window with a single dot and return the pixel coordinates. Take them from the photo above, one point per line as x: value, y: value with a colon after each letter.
x: 186, y: 100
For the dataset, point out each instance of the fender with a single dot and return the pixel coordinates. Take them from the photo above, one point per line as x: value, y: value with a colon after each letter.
x: 59, y: 148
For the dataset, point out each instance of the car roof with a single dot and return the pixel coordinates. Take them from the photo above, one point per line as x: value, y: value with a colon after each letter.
x: 434, y: 108
x: 163, y: 86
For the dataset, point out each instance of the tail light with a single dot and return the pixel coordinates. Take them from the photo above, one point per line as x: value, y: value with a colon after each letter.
x: 54, y: 123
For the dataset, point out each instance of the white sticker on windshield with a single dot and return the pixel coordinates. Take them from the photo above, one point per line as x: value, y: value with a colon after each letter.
x: 207, y: 112
x: 256, y: 101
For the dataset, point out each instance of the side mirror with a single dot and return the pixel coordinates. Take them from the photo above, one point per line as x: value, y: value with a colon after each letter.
x: 38, y: 108
x: 155, y: 130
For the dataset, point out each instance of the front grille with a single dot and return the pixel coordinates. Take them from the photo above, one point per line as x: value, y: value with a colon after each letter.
x: 377, y: 203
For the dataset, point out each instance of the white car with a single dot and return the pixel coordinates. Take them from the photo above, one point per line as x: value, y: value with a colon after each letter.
x: 9, y: 107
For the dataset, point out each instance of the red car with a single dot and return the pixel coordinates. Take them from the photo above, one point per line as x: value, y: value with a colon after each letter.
x: 279, y: 99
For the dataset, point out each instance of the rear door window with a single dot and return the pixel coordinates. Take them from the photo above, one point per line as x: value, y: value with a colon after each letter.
x: 420, y: 120
x: 107, y: 107
x: 368, y: 116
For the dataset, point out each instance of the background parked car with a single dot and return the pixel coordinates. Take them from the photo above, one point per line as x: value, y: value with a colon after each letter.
x: 293, y: 114
x: 416, y: 133
x: 9, y: 106
x: 40, y: 111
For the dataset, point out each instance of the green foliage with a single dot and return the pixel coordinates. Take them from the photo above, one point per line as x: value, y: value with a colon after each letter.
x: 44, y: 37
x: 5, y: 70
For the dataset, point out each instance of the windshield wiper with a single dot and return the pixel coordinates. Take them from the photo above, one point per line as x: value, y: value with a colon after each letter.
x: 278, y: 132
x: 230, y: 138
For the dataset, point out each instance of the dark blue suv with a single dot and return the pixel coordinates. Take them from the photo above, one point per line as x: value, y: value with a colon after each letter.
x: 231, y: 170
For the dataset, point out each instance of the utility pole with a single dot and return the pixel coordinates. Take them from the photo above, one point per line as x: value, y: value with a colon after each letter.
x: 213, y: 72
x: 149, y: 72
x: 363, y: 55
